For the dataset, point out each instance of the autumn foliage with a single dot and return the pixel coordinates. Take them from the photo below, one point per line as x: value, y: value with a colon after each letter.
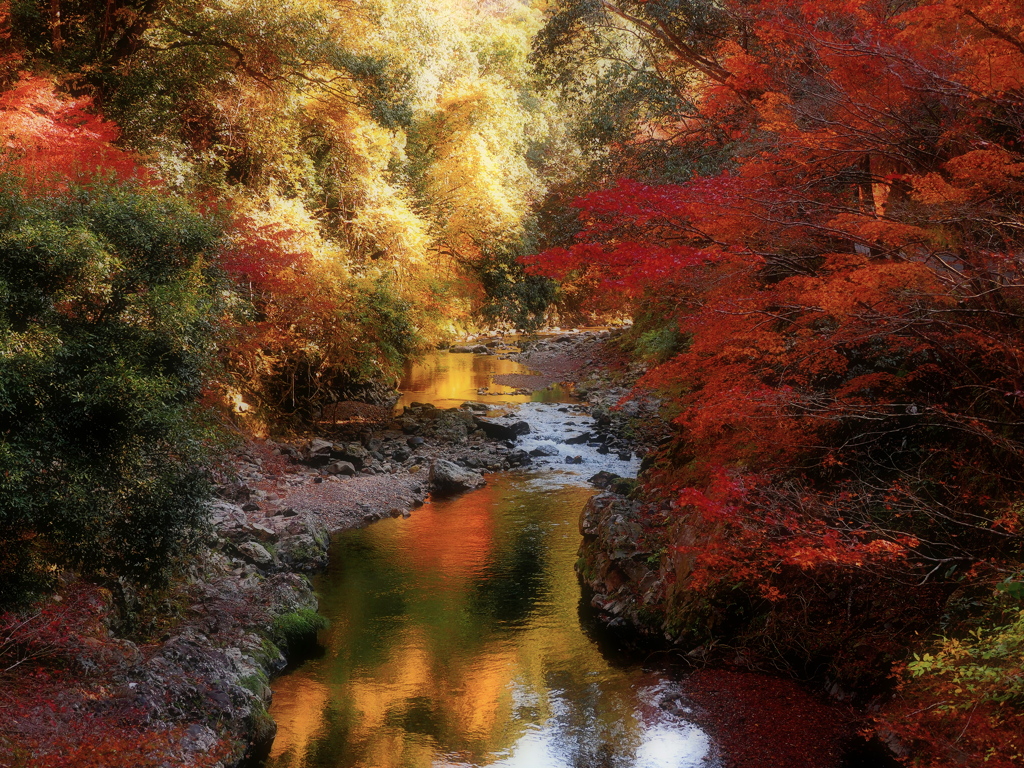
x: 51, y: 141
x: 848, y: 397
x: 54, y: 660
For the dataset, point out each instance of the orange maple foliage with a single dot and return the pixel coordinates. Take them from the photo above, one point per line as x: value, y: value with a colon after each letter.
x: 850, y: 291
x: 51, y: 141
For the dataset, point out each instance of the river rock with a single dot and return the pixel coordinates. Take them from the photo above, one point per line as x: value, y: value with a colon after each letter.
x: 318, y: 447
x: 519, y: 458
x: 409, y: 425
x: 447, y: 477
x: 226, y: 517
x: 351, y: 452
x: 544, y: 450
x: 317, y: 453
x: 256, y: 554
x: 472, y: 349
x: 604, y: 479
x: 340, y: 468
x: 498, y: 431
x: 303, y: 552
x: 619, y: 562
x: 199, y: 739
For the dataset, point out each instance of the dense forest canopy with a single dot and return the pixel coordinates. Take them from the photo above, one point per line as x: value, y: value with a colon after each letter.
x: 812, y: 211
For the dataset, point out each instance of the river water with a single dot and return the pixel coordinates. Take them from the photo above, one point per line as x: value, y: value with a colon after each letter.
x: 458, y: 636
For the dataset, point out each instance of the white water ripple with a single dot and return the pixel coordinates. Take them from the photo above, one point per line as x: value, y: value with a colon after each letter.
x: 551, y: 424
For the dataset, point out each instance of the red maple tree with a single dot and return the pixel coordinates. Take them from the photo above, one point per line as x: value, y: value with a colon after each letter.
x: 848, y: 400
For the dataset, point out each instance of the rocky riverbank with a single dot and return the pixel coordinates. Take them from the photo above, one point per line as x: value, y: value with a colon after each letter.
x: 191, y: 686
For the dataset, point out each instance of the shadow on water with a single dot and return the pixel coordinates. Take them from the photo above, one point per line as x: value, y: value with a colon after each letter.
x: 516, y: 582
x: 621, y: 647
x: 864, y: 753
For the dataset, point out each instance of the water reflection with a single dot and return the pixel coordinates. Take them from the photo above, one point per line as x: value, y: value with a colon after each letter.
x: 447, y: 380
x: 456, y: 642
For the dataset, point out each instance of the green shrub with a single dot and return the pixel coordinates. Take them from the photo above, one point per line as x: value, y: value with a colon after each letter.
x: 106, y: 330
x: 985, y: 663
x: 512, y: 296
x: 297, y: 629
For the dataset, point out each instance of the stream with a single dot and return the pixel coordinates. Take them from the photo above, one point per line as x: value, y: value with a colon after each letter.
x: 458, y: 636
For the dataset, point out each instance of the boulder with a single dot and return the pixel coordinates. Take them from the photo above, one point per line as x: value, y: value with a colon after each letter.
x: 351, y: 452
x: 544, y: 450
x: 340, y: 468
x: 318, y: 452
x: 498, y: 431
x: 469, y: 349
x: 519, y: 458
x: 409, y: 425
x: 447, y: 477
x: 227, y: 518
x: 604, y: 479
x: 318, y: 447
x: 256, y: 554
x: 304, y: 552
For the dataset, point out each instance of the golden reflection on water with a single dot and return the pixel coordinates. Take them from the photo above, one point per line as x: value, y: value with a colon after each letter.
x: 459, y: 548
x: 447, y: 380
x: 456, y: 641
x: 298, y: 707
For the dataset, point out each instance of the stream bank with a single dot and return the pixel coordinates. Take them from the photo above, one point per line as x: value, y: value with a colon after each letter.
x: 200, y: 679
x: 190, y: 686
x: 444, y: 564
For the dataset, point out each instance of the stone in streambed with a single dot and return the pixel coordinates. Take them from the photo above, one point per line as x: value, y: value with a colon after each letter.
x: 604, y: 479
x: 409, y: 425
x: 579, y: 439
x: 447, y: 477
x: 318, y: 454
x: 340, y: 468
x: 318, y: 447
x: 353, y: 453
x: 256, y: 554
x: 499, y: 431
x: 519, y: 458
x: 544, y: 450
